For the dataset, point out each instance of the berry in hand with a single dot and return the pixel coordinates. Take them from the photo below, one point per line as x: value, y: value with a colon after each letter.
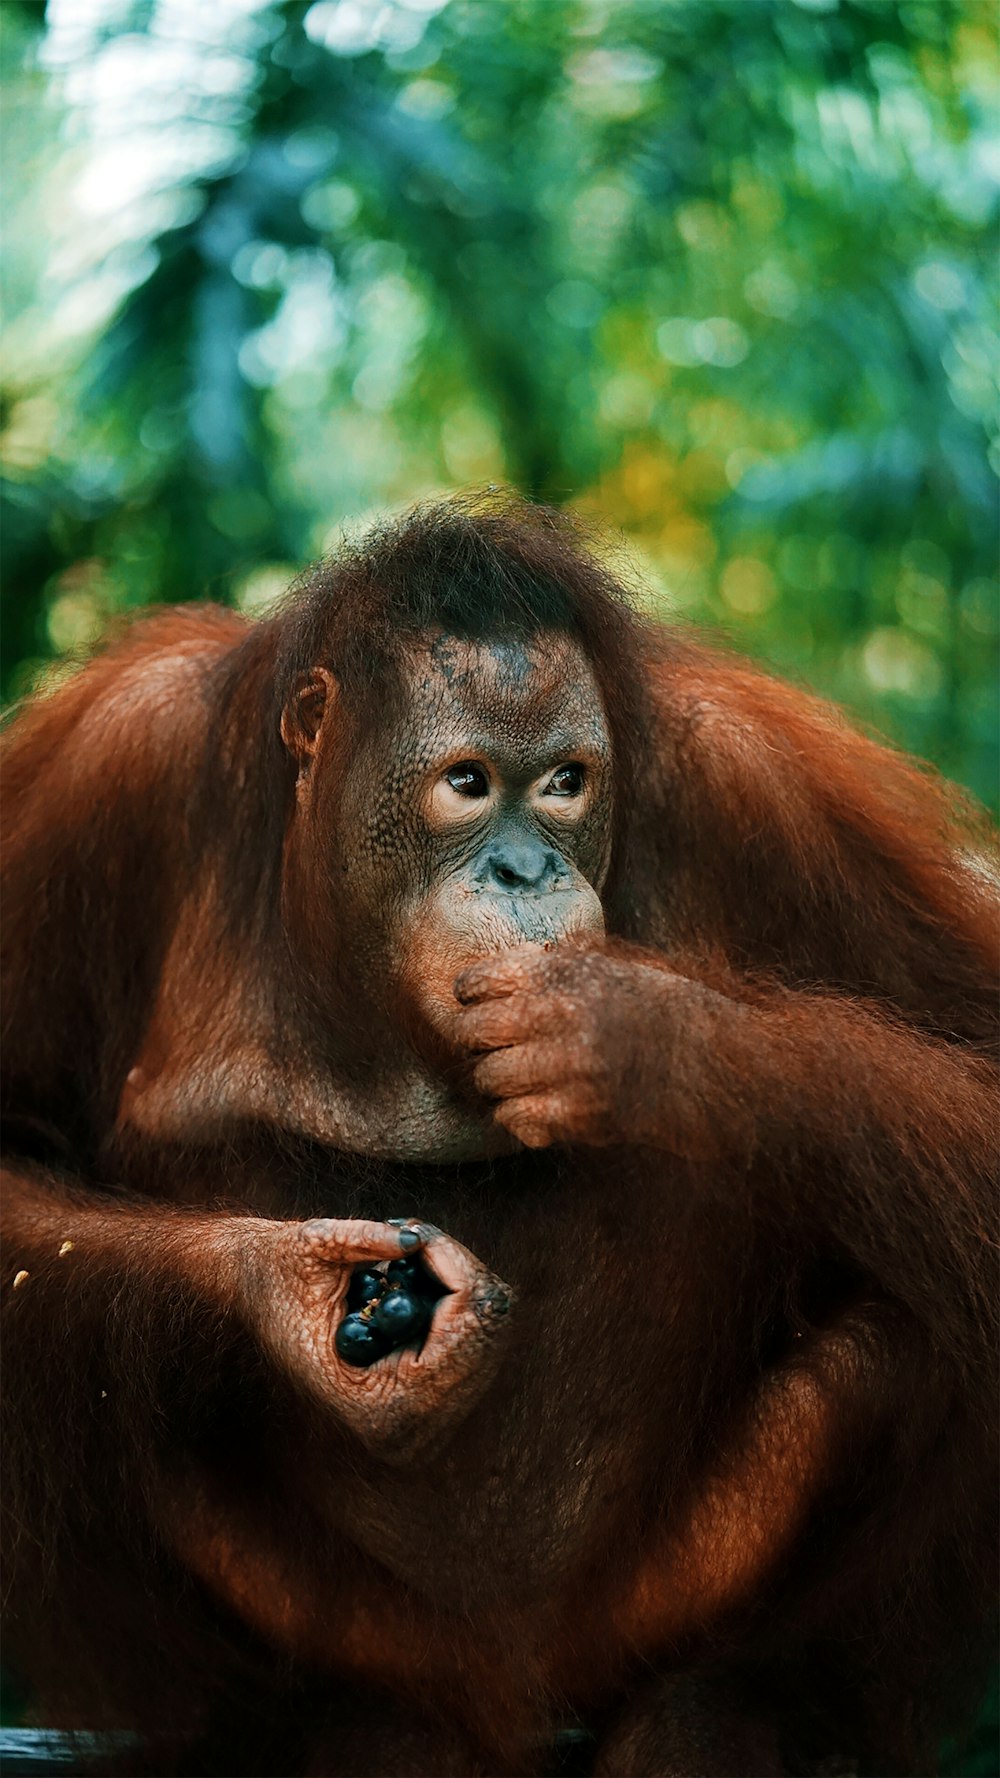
x: 400, y: 1317
x: 357, y: 1341
x: 366, y: 1287
x: 387, y: 1308
x: 408, y: 1273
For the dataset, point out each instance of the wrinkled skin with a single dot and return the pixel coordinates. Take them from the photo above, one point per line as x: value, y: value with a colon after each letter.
x: 494, y: 899
x: 577, y: 1046
x: 454, y: 877
x: 470, y: 873
x: 295, y: 1278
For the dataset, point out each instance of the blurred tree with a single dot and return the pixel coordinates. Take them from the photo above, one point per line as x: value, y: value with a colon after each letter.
x: 715, y: 271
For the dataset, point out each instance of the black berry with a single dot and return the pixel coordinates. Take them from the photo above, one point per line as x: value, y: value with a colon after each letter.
x: 400, y: 1317
x: 407, y: 1272
x: 365, y: 1287
x: 357, y: 1342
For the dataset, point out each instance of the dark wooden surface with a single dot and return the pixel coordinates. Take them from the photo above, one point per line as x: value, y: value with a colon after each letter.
x: 31, y: 1753
x: 35, y: 1753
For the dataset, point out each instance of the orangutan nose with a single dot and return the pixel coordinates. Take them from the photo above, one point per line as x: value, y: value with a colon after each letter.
x: 515, y: 867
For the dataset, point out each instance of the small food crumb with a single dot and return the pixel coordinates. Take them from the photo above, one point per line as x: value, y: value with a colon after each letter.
x: 104, y: 1395
x: 67, y: 1247
x: 21, y: 1278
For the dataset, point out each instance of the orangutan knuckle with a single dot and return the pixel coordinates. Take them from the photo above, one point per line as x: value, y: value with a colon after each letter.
x: 314, y: 1232
x: 315, y: 1240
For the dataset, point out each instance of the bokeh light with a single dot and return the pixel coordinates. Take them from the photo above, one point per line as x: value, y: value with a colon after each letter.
x: 719, y: 274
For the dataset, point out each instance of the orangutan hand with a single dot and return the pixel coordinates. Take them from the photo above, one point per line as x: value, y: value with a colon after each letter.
x: 295, y: 1282
x: 584, y: 1045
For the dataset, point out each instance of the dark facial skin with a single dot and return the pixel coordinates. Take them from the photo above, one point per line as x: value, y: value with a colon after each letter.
x: 483, y: 820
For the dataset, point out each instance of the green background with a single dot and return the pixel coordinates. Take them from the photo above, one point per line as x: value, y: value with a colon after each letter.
x: 713, y: 271
x: 717, y: 273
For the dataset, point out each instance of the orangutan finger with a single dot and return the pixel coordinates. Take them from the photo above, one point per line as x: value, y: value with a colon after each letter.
x: 499, y: 975
x: 494, y: 1024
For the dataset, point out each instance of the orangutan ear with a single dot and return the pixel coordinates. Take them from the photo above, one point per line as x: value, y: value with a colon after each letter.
x: 302, y: 717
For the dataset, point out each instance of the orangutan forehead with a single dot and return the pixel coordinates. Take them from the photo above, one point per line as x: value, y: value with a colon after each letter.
x: 519, y: 687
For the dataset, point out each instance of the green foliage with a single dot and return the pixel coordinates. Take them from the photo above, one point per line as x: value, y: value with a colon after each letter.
x: 714, y: 271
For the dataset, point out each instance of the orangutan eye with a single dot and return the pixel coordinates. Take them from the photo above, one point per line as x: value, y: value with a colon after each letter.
x: 468, y: 779
x: 567, y: 781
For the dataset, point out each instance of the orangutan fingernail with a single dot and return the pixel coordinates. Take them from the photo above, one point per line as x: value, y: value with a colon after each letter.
x: 396, y: 1222
x: 408, y: 1239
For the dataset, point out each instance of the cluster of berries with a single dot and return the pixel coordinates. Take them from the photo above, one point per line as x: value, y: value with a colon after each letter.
x: 386, y: 1310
